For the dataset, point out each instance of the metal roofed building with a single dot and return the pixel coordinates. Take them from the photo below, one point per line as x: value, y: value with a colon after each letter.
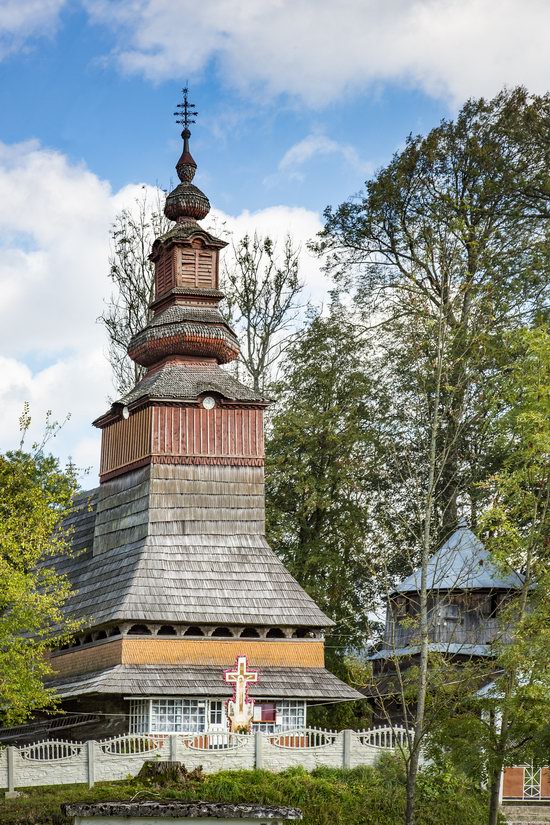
x: 466, y: 593
x: 172, y: 574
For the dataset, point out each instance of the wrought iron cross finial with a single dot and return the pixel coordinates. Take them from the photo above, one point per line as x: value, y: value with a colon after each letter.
x: 187, y: 112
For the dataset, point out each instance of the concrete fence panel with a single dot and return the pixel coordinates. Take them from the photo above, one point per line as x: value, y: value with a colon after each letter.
x: 58, y: 762
x: 4, y: 768
x: 123, y: 756
x: 53, y: 762
x: 308, y: 749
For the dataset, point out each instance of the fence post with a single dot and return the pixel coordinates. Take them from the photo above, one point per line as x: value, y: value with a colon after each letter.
x: 11, y: 793
x: 90, y: 753
x: 346, y: 750
x: 258, y: 751
x: 173, y: 747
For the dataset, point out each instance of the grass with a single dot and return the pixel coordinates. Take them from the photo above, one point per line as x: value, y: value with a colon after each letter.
x: 363, y: 796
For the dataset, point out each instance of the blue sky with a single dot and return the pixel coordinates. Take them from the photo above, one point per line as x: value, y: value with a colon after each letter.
x: 299, y: 101
x: 67, y: 92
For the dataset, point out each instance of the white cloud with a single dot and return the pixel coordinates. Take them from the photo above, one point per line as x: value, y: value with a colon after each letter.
x: 318, y: 49
x: 24, y: 19
x: 318, y: 145
x: 278, y: 222
x: 54, y: 241
x: 54, y: 246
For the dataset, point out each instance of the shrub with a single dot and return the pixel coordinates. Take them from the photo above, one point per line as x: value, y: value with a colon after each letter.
x: 362, y: 796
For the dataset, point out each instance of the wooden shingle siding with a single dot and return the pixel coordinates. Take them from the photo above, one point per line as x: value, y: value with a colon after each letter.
x: 122, y: 515
x: 86, y: 660
x: 162, y: 553
x: 164, y: 651
x: 291, y: 652
x: 226, y: 475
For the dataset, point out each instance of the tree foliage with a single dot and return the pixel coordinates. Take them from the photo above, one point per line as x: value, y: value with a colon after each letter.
x: 456, y: 223
x: 447, y: 251
x: 37, y: 494
x: 262, y: 289
x: 508, y: 723
x: 132, y: 273
x: 319, y: 472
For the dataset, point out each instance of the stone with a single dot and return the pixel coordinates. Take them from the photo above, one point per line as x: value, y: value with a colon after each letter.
x: 151, y: 811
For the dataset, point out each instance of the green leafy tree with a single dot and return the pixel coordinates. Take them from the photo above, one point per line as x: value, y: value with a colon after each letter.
x: 508, y: 722
x: 319, y: 471
x: 36, y: 495
x: 447, y: 251
x: 320, y: 468
x: 457, y: 224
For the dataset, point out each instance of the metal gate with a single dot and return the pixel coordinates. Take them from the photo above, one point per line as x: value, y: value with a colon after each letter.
x: 531, y: 782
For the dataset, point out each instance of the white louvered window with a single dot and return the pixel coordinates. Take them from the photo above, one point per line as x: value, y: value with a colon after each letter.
x: 178, y: 715
x: 139, y: 716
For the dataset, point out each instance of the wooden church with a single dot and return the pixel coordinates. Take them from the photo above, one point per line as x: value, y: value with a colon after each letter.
x: 172, y: 574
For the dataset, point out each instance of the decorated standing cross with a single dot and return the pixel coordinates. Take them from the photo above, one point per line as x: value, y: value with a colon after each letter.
x: 240, y: 709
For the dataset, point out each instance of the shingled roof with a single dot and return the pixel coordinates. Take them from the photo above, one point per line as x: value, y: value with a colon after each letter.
x: 312, y: 684
x: 186, y: 382
x: 145, y: 558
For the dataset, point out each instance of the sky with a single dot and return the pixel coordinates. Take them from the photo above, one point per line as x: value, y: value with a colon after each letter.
x: 299, y: 102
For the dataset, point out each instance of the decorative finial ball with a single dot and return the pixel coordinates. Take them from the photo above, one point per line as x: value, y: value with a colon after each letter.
x: 186, y: 201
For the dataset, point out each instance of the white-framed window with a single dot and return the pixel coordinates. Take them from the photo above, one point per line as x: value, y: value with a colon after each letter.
x: 139, y: 715
x: 290, y: 714
x: 178, y: 715
x: 175, y: 715
x: 216, y: 713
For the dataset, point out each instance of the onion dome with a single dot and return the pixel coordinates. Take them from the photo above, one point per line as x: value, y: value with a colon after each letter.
x: 186, y: 202
x: 183, y: 330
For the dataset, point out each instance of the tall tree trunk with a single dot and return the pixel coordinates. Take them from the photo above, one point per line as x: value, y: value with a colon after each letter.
x: 494, y: 796
x: 422, y: 689
x: 498, y: 764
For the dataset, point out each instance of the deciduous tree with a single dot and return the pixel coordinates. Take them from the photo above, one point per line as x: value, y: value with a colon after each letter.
x: 36, y: 495
x: 132, y: 273
x: 262, y: 288
x: 508, y: 723
x: 320, y: 471
x: 456, y: 223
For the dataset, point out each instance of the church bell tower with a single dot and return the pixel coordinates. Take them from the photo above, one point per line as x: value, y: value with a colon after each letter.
x: 186, y: 410
x: 174, y: 580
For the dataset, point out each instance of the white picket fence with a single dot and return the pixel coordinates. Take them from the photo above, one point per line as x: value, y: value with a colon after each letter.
x: 59, y: 762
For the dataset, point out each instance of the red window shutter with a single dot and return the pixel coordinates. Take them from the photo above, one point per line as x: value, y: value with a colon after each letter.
x: 269, y: 711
